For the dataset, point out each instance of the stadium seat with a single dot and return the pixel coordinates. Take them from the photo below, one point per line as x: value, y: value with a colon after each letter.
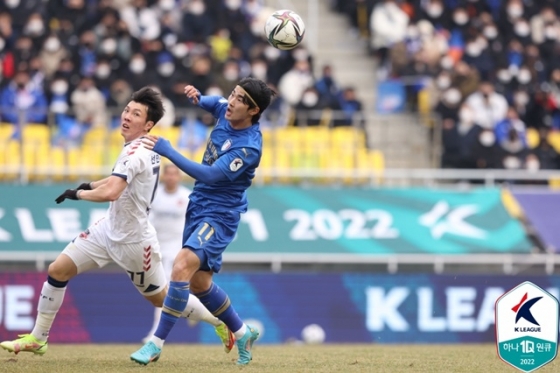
x: 35, y: 134
x: 6, y: 132
x: 96, y: 136
x: 10, y: 160
x: 57, y: 163
x: 533, y: 138
x: 553, y: 139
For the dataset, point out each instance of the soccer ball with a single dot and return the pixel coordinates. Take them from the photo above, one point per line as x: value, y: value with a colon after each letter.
x: 313, y: 334
x: 284, y: 29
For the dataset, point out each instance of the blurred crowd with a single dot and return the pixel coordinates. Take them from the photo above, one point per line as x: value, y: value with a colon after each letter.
x: 70, y: 62
x: 490, y: 69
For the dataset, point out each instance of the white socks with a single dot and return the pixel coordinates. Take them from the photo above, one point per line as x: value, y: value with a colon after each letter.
x: 50, y: 301
x: 196, y: 311
x: 241, y: 332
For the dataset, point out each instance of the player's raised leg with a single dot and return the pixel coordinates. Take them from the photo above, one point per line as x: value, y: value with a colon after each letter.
x: 50, y: 300
x: 218, y: 302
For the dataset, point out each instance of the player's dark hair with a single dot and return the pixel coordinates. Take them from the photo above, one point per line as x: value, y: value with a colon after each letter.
x: 259, y: 92
x: 152, y: 100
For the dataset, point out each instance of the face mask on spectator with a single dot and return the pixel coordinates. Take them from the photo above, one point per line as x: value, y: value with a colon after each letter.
x: 446, y: 63
x: 166, y: 5
x: 35, y: 27
x: 233, y: 4
x: 108, y: 46
x: 231, y: 74
x: 214, y: 91
x: 521, y: 98
x: 309, y: 99
x: 504, y: 76
x: 524, y: 76
x: 434, y: 10
x: 452, y: 96
x: 170, y: 40
x: 514, y: 11
x: 196, y: 8
x: 460, y: 18
x: 166, y: 68
x: 103, y: 71
x: 300, y: 54
x: 259, y: 70
x: 550, y: 32
x: 473, y: 49
x: 487, y: 138
x: 443, y: 81
x: 466, y: 115
x: 271, y: 53
x: 490, y: 32
x: 12, y: 3
x: 180, y: 50
x: 512, y: 162
x: 52, y: 44
x: 532, y: 164
x: 137, y: 65
x: 412, y: 32
x: 522, y: 28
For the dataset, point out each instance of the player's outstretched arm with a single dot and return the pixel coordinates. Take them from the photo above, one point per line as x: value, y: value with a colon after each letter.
x: 92, y: 185
x: 206, y: 174
x: 109, y: 191
x: 212, y: 104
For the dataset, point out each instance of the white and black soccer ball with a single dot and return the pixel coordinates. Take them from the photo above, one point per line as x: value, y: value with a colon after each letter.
x: 313, y: 334
x: 284, y: 29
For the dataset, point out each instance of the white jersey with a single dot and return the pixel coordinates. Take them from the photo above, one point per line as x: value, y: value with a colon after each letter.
x: 168, y: 214
x: 128, y: 215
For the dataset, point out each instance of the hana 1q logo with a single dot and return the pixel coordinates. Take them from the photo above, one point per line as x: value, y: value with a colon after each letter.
x: 527, y: 327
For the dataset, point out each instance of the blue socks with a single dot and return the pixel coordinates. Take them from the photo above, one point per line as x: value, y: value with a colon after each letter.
x: 217, y: 302
x: 173, y: 306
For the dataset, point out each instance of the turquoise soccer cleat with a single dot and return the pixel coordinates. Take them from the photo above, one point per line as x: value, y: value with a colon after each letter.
x: 245, y: 345
x: 148, y: 353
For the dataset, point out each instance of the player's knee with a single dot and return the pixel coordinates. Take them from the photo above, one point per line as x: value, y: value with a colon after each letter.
x: 62, y: 269
x: 59, y: 272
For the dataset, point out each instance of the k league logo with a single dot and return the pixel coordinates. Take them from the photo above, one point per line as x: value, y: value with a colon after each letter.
x: 527, y: 327
x: 523, y: 309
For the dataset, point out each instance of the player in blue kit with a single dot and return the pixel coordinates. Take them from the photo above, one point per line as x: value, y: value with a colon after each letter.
x: 218, y: 198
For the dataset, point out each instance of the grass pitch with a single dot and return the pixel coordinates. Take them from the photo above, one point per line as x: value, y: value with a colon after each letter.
x: 268, y: 359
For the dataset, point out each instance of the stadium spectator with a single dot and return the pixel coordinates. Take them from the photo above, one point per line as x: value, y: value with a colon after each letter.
x: 510, y: 132
x: 351, y: 109
x: 88, y: 104
x: 51, y: 55
x: 141, y: 21
x: 489, y: 106
x: 309, y: 111
x: 22, y: 102
x: 388, y: 26
x: 295, y: 82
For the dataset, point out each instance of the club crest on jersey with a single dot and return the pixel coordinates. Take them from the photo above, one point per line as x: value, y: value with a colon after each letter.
x: 226, y: 145
x: 236, y: 164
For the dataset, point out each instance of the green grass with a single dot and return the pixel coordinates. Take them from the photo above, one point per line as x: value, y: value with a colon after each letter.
x: 268, y: 359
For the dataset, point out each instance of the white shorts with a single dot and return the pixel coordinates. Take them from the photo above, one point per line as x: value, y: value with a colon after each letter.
x: 142, y: 261
x: 169, y: 250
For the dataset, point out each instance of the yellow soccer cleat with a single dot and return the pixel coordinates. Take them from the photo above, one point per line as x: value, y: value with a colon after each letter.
x: 25, y: 343
x: 226, y: 336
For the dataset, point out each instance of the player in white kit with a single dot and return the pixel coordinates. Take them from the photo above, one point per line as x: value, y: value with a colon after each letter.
x: 168, y: 218
x: 124, y: 236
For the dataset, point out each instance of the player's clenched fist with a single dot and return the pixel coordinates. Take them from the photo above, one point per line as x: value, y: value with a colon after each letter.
x: 192, y: 94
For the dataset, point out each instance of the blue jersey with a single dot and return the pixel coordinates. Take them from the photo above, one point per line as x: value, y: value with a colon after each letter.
x: 236, y: 152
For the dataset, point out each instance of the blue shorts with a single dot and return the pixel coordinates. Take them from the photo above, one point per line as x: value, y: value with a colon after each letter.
x: 208, y: 232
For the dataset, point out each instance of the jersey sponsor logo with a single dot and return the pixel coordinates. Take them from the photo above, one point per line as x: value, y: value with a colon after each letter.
x: 236, y: 164
x: 226, y: 145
